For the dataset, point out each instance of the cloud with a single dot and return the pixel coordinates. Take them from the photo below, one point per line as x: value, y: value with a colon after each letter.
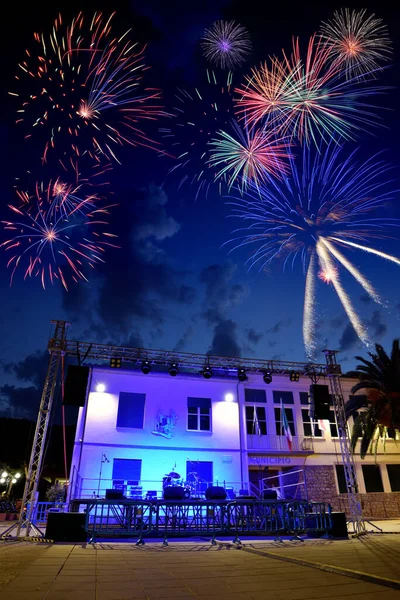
x: 138, y: 285
x: 183, y: 340
x: 252, y: 336
x: 31, y: 369
x: 279, y: 325
x: 376, y: 326
x: 19, y: 402
x: 365, y: 299
x: 224, y: 342
x: 337, y: 322
x: 220, y: 298
x: 348, y: 339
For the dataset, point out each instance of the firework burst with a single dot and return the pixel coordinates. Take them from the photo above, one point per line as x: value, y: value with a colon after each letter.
x: 328, y: 204
x: 87, y: 86
x: 226, y: 44
x: 357, y: 43
x: 58, y: 237
x: 196, y: 118
x: 249, y: 156
x: 306, y: 98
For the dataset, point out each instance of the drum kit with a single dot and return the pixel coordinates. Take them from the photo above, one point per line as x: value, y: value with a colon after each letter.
x: 191, y: 486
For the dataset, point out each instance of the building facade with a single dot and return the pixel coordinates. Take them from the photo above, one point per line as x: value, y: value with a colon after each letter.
x: 135, y: 429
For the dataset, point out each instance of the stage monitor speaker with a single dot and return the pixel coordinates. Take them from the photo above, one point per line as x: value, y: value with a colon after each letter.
x: 320, y: 400
x: 175, y: 492
x: 114, y: 494
x: 339, y: 525
x: 215, y: 492
x: 76, y: 384
x: 270, y: 495
x: 66, y: 527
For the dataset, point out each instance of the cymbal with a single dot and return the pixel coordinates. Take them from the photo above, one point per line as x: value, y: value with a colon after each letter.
x: 174, y: 475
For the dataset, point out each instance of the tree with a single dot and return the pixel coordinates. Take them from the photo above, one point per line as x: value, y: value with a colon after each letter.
x: 380, y: 378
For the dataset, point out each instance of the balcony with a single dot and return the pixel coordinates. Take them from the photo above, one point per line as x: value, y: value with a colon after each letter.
x: 278, y: 443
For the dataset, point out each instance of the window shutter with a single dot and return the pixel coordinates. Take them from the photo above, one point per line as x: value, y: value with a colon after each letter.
x: 131, y: 410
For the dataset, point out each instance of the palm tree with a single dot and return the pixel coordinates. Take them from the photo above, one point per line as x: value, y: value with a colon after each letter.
x: 380, y: 378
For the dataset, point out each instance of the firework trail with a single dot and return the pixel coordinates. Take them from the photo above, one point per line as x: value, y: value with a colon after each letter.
x: 328, y: 202
x: 249, y: 156
x: 86, y: 86
x: 226, y: 44
x: 357, y: 43
x: 306, y: 97
x: 196, y: 118
x: 56, y: 245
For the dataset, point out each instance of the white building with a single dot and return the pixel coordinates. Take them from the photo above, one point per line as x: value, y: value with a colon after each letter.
x: 219, y: 431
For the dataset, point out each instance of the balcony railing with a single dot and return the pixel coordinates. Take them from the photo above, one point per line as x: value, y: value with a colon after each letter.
x: 279, y: 443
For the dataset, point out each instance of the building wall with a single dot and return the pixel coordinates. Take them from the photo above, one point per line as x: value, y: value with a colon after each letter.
x: 232, y: 451
x: 159, y: 455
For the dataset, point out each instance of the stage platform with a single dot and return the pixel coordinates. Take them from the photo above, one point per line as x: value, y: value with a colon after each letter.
x: 172, y: 518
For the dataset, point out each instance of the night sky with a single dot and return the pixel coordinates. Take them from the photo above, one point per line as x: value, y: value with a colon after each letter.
x: 174, y: 284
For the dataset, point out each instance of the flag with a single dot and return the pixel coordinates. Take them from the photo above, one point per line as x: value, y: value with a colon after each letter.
x: 286, y: 428
x: 323, y: 424
x: 256, y: 425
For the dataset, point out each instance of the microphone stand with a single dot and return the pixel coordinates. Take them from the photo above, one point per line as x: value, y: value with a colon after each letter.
x: 104, y: 459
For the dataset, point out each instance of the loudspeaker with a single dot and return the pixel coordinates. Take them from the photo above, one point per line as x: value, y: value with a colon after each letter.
x: 339, y: 525
x: 270, y: 495
x: 114, y: 494
x: 320, y: 400
x: 76, y: 385
x: 176, y: 492
x: 66, y: 527
x: 215, y: 492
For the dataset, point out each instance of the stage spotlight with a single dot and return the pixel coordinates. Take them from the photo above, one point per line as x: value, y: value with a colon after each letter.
x: 267, y: 377
x: 100, y: 387
x: 229, y: 397
x: 294, y: 376
x: 146, y: 367
x: 173, y: 370
x: 207, y: 373
x: 242, y: 374
x: 115, y: 363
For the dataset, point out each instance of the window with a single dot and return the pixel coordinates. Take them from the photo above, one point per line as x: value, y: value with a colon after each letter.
x: 307, y: 425
x: 333, y: 424
x: 304, y: 398
x: 341, y: 479
x: 285, y: 397
x: 125, y: 469
x: 394, y: 477
x: 256, y: 421
x: 255, y: 396
x: 372, y: 478
x: 199, y: 414
x: 199, y: 474
x: 278, y: 421
x: 131, y: 410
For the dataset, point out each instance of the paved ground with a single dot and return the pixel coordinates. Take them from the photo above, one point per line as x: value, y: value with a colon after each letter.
x: 183, y: 570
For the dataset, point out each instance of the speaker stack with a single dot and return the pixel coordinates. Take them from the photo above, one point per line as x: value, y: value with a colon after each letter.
x: 215, y: 492
x: 66, y: 527
x: 75, y: 387
x: 320, y: 401
x: 174, y: 492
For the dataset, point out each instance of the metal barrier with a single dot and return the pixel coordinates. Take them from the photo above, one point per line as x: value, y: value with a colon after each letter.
x: 205, y: 518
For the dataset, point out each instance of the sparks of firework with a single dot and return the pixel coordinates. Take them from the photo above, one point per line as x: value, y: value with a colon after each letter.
x: 327, y: 203
x: 226, y: 44
x: 67, y: 192
x: 196, y: 118
x: 358, y: 43
x: 249, y: 156
x: 56, y: 248
x: 86, y: 85
x: 307, y: 98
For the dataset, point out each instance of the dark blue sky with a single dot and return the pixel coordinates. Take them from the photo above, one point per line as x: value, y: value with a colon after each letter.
x: 173, y: 284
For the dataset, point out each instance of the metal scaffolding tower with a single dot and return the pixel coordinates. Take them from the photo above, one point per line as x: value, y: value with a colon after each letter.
x: 355, y: 509
x: 56, y: 347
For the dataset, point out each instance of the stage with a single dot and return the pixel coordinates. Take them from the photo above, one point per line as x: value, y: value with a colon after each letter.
x: 174, y: 518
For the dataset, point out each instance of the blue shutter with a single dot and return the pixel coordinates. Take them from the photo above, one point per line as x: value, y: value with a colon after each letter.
x: 251, y: 395
x: 131, y: 410
x: 202, y: 468
x: 286, y: 397
x: 199, y: 402
x: 127, y: 468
